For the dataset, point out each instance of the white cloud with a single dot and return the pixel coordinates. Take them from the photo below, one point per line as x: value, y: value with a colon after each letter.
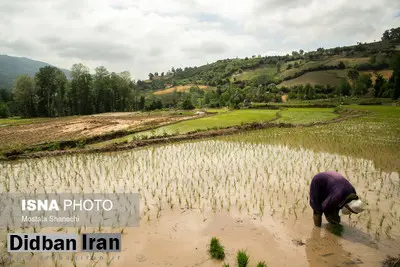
x: 145, y: 36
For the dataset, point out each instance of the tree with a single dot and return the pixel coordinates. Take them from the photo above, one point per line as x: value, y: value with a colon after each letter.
x: 151, y: 76
x: 153, y: 103
x: 60, y: 101
x: 4, y: 112
x: 156, y: 74
x: 366, y: 79
x: 345, y: 88
x: 102, y: 94
x: 142, y: 102
x: 278, y: 67
x: 359, y: 88
x: 353, y: 75
x: 187, y: 103
x: 341, y: 65
x: 50, y: 91
x: 124, y: 91
x: 80, y: 95
x: 162, y: 74
x: 24, y: 95
x: 379, y: 82
x: 301, y: 52
x: 262, y: 79
x: 309, y: 91
x: 396, y: 76
x: 392, y: 35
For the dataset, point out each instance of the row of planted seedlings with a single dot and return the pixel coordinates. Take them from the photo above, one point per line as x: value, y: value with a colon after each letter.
x: 253, y: 180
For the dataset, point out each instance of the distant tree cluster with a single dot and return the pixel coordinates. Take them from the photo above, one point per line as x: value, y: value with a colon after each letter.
x: 392, y: 35
x: 6, y: 101
x: 50, y: 94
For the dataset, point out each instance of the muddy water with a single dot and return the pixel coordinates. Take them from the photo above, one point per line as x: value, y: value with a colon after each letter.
x: 251, y: 196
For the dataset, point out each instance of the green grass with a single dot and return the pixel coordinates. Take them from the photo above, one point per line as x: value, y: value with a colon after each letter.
x: 302, y: 66
x: 225, y: 118
x: 375, y: 136
x: 348, y: 61
x: 250, y: 74
x: 221, y: 120
x: 306, y: 115
x: 20, y: 121
x: 217, y: 110
x: 322, y: 77
x: 327, y: 61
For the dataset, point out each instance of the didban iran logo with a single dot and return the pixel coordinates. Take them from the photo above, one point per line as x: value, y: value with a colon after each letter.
x: 90, y: 242
x: 67, y: 210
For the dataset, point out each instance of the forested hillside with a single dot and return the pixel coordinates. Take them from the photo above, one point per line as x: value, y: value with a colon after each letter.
x: 362, y: 70
x: 11, y: 67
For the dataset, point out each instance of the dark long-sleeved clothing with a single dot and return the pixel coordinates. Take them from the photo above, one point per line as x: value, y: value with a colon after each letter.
x: 328, y: 192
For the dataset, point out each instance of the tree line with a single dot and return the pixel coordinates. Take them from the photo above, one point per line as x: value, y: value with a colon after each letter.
x: 49, y: 93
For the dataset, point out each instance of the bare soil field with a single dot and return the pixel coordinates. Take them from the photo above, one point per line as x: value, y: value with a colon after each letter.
x: 67, y: 128
x: 179, y: 88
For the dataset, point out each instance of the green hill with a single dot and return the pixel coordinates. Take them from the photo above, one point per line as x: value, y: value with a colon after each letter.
x: 11, y: 67
x: 263, y: 70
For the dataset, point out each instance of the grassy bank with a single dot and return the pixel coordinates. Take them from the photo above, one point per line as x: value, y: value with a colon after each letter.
x: 375, y: 136
x: 221, y: 120
x: 307, y: 115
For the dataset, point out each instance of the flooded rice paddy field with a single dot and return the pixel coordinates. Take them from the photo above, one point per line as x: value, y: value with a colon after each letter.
x: 250, y: 190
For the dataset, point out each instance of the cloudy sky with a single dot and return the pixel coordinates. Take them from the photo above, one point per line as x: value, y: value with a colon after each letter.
x: 144, y: 36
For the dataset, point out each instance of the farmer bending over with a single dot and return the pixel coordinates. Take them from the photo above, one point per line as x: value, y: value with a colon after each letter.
x: 331, y: 192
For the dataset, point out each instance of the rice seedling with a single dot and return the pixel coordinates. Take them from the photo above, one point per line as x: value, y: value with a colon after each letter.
x: 242, y: 258
x: 216, y: 250
x: 261, y: 264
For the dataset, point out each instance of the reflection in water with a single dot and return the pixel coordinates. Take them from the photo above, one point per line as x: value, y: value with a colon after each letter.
x: 351, y: 234
x: 336, y: 229
x: 326, y: 250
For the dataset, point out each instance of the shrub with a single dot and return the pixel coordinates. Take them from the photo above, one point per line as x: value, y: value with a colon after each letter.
x: 80, y: 143
x: 242, y: 258
x: 262, y: 264
x: 371, y: 102
x: 216, y: 249
x: 54, y: 146
x: 4, y: 112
